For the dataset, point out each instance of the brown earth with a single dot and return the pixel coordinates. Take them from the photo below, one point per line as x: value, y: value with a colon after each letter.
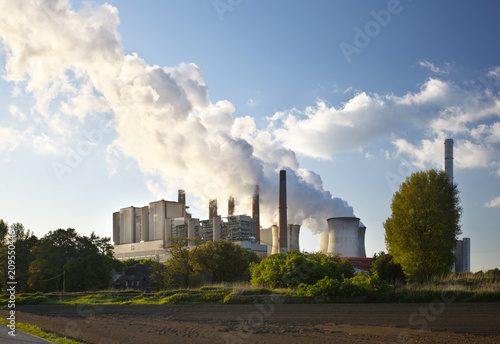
x: 280, y: 323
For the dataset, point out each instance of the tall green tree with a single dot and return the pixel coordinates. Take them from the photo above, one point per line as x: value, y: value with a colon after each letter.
x: 24, y: 241
x: 424, y: 224
x: 224, y: 260
x: 387, y: 269
x: 67, y: 261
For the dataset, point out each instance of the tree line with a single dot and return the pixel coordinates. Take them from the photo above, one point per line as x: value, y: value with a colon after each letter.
x: 62, y: 260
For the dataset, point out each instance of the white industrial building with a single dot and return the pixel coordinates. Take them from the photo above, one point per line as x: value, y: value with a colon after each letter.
x: 144, y: 232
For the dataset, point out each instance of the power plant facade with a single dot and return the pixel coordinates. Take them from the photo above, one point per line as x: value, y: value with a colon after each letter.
x: 146, y: 232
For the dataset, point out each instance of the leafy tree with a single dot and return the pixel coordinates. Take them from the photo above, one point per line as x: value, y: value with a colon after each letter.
x: 386, y: 269
x: 66, y: 261
x: 4, y: 228
x: 224, y: 260
x: 293, y: 268
x: 423, y: 228
x: 179, y: 268
x: 24, y: 240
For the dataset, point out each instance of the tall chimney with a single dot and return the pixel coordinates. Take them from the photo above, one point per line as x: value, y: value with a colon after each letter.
x: 230, y: 206
x: 256, y: 213
x: 282, y: 213
x: 181, y: 198
x: 212, y: 208
x: 448, y: 158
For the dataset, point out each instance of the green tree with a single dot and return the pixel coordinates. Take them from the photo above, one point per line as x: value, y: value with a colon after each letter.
x: 179, y: 268
x: 24, y: 241
x: 224, y: 260
x: 424, y: 224
x: 384, y: 266
x: 67, y: 261
x: 293, y: 268
x: 4, y: 228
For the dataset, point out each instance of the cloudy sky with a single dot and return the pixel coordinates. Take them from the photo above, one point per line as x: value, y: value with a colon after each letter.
x: 119, y: 103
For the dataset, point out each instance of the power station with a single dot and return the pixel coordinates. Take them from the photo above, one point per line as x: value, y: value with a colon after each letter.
x: 145, y: 232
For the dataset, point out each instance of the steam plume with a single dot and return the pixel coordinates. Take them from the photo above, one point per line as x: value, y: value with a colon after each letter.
x: 73, y: 64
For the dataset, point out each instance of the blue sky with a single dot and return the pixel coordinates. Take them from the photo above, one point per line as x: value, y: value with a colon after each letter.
x: 107, y: 105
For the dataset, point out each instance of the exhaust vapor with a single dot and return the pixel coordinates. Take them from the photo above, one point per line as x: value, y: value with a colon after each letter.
x: 74, y: 66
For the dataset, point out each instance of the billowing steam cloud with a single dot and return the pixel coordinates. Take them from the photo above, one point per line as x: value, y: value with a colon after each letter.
x: 73, y: 64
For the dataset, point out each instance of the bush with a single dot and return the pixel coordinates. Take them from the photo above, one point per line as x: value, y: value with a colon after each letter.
x: 324, y: 287
x: 289, y: 270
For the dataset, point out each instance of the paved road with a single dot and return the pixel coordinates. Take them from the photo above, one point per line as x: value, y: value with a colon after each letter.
x: 20, y: 338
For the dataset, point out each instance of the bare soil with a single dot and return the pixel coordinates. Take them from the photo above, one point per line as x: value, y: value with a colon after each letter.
x: 281, y: 323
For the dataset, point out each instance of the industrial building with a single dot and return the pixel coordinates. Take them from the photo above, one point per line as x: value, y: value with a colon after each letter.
x: 462, y: 249
x: 462, y: 255
x: 144, y: 232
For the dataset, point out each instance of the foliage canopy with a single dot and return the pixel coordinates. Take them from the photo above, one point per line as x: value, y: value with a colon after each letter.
x: 424, y: 224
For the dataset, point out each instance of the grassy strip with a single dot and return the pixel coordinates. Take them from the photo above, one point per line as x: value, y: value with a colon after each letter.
x: 36, y: 331
x: 222, y: 295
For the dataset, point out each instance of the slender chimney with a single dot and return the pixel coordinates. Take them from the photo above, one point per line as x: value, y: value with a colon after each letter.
x: 212, y: 208
x: 256, y: 213
x: 448, y: 158
x: 181, y: 198
x: 282, y: 213
x: 230, y: 206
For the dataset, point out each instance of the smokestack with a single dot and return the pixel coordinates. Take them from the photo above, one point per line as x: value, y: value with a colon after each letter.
x: 256, y: 213
x: 283, y: 238
x: 230, y: 206
x: 181, y: 198
x: 448, y: 158
x: 212, y: 208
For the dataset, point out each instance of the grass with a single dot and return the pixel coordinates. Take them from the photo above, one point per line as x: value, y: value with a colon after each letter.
x: 464, y: 287
x: 36, y: 331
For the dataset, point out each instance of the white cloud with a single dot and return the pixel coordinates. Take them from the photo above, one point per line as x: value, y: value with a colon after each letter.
x: 9, y: 140
x: 435, y: 69
x: 73, y: 65
x: 494, y: 203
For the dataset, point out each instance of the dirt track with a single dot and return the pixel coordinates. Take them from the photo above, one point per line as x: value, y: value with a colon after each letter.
x: 333, y: 323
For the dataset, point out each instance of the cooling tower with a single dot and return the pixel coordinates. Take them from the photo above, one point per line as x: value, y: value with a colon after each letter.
x: 266, y: 238
x: 283, y: 238
x: 256, y: 213
x: 230, y: 206
x: 448, y: 158
x: 361, y: 241
x: 343, y: 236
x: 323, y: 243
x: 294, y: 240
x: 275, y: 241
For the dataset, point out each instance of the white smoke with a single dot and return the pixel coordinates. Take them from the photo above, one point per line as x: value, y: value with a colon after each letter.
x: 73, y: 64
